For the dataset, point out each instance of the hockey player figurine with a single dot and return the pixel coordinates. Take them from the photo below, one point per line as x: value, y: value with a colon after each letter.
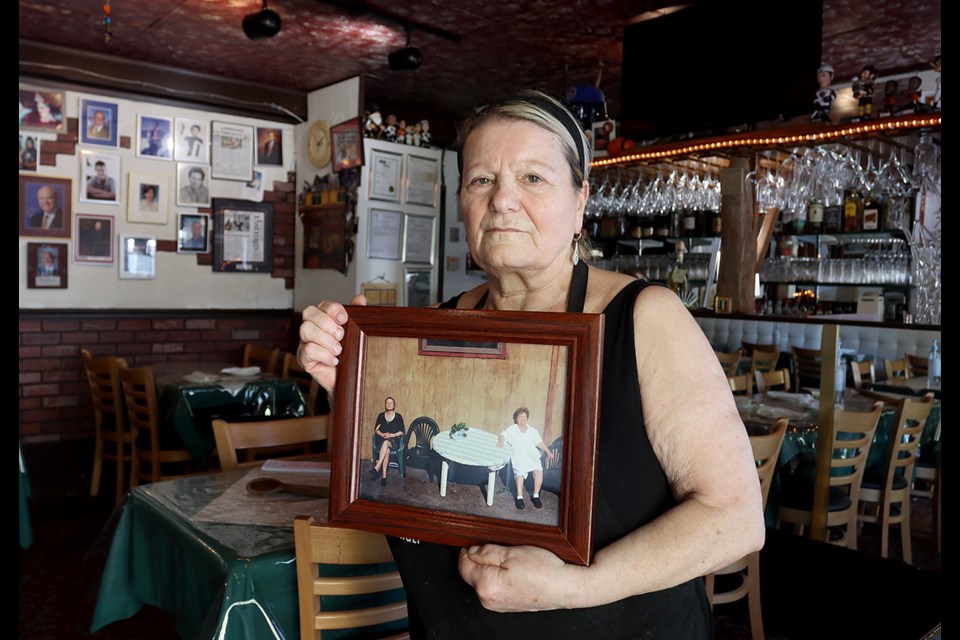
x: 863, y: 92
x: 825, y: 95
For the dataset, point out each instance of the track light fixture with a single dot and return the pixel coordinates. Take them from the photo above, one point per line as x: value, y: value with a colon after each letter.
x: 407, y: 58
x: 262, y: 24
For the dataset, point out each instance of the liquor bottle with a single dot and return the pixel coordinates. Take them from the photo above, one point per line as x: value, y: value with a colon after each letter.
x: 933, y: 364
x: 677, y: 280
x: 871, y: 213
x: 852, y: 210
x: 690, y: 222
x: 815, y: 211
x: 800, y: 220
x: 833, y: 219
x: 716, y: 223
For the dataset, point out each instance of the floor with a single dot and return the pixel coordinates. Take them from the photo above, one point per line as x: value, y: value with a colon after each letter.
x: 59, y: 574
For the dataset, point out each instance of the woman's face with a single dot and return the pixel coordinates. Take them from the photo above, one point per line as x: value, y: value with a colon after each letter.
x: 389, y: 405
x: 520, y: 209
x: 522, y: 419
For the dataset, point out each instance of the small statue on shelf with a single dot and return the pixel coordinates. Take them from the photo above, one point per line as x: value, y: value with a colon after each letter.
x: 825, y: 95
x: 889, y: 98
x: 914, y: 97
x: 390, y: 128
x: 863, y: 92
x: 424, y: 133
x: 402, y: 131
x: 373, y: 124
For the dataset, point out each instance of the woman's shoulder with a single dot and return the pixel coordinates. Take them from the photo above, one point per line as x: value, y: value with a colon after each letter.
x: 602, y: 287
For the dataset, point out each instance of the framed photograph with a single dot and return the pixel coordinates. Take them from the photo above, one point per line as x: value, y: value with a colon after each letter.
x: 384, y: 234
x: 154, y: 137
x: 47, y: 265
x: 602, y: 133
x: 193, y: 232
x: 324, y: 237
x: 148, y: 196
x: 347, y: 145
x: 418, y: 286
x: 380, y: 293
x: 461, y: 348
x: 550, y: 374
x: 423, y: 180
x: 94, y: 239
x: 29, y: 151
x: 385, y: 175
x: 45, y: 206
x: 41, y: 109
x: 190, y: 141
x: 231, y: 151
x: 418, y: 244
x: 98, y: 122
x: 138, y: 257
x: 242, y: 236
x: 99, y: 177
x: 270, y: 146
x: 193, y: 185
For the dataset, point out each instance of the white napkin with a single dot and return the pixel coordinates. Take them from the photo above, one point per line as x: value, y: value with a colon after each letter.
x: 241, y: 371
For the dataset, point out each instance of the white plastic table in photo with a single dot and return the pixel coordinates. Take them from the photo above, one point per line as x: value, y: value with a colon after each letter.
x: 477, y: 448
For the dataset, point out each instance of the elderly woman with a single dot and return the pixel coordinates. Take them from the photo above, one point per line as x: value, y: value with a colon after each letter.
x: 677, y: 490
x: 527, y: 445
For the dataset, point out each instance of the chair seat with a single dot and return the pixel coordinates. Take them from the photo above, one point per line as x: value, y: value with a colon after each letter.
x: 876, y: 481
x: 799, y: 495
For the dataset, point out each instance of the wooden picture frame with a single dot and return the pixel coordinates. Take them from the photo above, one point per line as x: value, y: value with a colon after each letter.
x: 566, y: 388
x: 347, y: 143
x: 242, y: 236
x: 269, y: 146
x: 32, y: 206
x: 94, y: 239
x: 47, y: 265
x: 99, y: 123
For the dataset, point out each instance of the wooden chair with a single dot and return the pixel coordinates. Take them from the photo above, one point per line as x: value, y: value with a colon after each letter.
x: 729, y: 361
x: 741, y: 385
x: 308, y: 386
x: 113, y: 439
x: 152, y: 455
x: 896, y: 369
x: 885, y: 494
x: 779, y: 378
x: 255, y: 356
x: 234, y: 436
x: 917, y: 365
x: 853, y: 434
x: 806, y: 363
x: 766, y: 451
x: 318, y: 544
x: 749, y: 348
x: 763, y: 361
x: 862, y: 372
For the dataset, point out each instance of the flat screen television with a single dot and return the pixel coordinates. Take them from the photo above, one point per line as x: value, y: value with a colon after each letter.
x: 718, y: 66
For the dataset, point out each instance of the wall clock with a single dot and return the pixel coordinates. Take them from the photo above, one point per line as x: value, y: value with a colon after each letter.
x: 318, y: 144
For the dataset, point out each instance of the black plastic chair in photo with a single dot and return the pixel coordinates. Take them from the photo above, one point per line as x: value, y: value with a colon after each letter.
x: 417, y: 443
x: 553, y: 469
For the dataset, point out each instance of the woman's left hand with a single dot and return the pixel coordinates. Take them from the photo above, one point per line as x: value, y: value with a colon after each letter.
x: 516, y: 578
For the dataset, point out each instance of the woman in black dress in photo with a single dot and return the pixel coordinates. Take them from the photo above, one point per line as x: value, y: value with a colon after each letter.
x: 386, y: 436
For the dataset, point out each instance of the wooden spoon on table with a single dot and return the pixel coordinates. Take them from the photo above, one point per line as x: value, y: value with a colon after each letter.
x: 264, y: 486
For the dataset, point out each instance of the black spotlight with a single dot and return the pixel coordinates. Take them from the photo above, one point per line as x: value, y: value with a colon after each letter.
x: 263, y: 24
x: 406, y: 59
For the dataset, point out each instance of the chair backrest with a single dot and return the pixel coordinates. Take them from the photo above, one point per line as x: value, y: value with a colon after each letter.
x: 852, y: 436
x: 749, y: 348
x: 256, y: 356
x: 766, y: 452
x: 729, y: 361
x: 762, y: 360
x: 806, y: 364
x: 308, y: 386
x: 103, y: 375
x: 234, y: 436
x: 780, y: 378
x: 896, y: 368
x: 420, y: 433
x: 741, y: 385
x: 557, y: 448
x: 862, y: 372
x: 318, y: 544
x: 905, y: 438
x: 916, y: 364
x: 140, y: 397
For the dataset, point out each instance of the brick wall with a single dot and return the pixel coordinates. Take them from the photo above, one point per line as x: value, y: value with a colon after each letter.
x: 54, y: 397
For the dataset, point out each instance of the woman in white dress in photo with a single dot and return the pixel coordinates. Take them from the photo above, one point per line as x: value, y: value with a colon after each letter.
x: 527, y: 445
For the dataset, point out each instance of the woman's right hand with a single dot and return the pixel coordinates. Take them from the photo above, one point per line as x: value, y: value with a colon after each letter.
x: 320, y: 334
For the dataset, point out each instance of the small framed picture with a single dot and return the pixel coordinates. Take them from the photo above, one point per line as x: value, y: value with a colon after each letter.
x: 242, y: 236
x: 423, y: 181
x: 347, y: 145
x: 418, y: 244
x: 94, y: 239
x: 45, y: 206
x: 603, y: 132
x: 154, y: 137
x: 41, y: 109
x: 47, y: 265
x: 29, y: 151
x: 98, y: 123
x: 138, y: 257
x: 193, y: 232
x: 384, y: 234
x: 147, y: 199
x: 99, y: 177
x: 193, y: 188
x: 269, y: 146
x: 418, y: 286
x: 231, y: 151
x: 191, y: 141
x: 385, y: 175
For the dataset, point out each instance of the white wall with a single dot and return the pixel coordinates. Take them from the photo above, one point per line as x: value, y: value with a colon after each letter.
x: 180, y: 282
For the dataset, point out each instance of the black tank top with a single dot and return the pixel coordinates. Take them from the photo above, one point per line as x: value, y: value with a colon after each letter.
x: 632, y: 490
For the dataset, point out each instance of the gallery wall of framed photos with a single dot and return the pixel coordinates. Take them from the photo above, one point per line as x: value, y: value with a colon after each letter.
x: 114, y: 190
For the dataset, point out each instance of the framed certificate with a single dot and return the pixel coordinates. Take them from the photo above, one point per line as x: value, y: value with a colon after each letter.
x: 383, y: 237
x: 423, y: 179
x: 418, y: 244
x: 385, y: 175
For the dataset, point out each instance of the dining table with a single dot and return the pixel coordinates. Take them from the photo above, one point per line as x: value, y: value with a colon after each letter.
x: 906, y: 386
x: 193, y: 394
x: 217, y: 557
x: 472, y: 447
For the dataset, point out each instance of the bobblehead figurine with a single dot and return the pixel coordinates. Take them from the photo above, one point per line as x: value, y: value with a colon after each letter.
x: 863, y: 92
x: 825, y: 95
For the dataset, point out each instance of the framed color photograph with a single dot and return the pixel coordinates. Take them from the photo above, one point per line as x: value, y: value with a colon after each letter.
x: 45, y: 206
x: 418, y: 244
x: 385, y: 175
x: 94, y: 239
x: 29, y: 151
x: 193, y: 232
x: 550, y: 375
x: 99, y: 177
x: 98, y: 123
x: 423, y: 180
x: 41, y: 109
x: 191, y: 141
x: 347, y: 145
x: 138, y: 257
x: 269, y: 146
x: 47, y: 265
x: 242, y: 236
x: 154, y: 137
x: 193, y: 185
x: 231, y: 151
x: 147, y: 198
